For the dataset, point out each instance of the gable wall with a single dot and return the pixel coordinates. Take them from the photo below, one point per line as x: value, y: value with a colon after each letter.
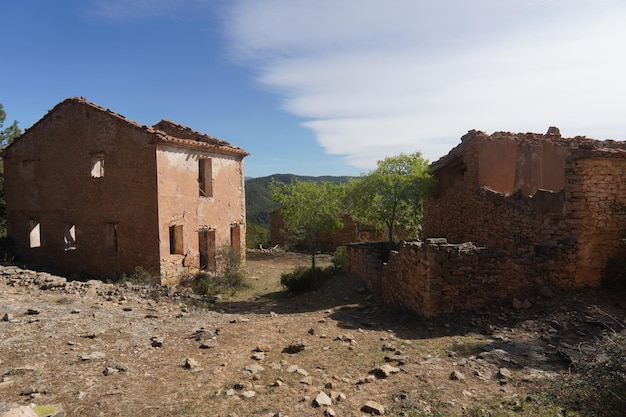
x: 48, y: 178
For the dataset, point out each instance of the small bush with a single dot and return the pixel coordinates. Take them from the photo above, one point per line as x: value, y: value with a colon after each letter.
x: 228, y: 278
x: 306, y: 279
x: 142, y: 276
x: 599, y: 385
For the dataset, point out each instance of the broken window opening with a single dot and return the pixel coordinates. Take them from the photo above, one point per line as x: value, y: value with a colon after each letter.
x: 205, y: 177
x: 97, y: 165
x: 35, y: 234
x: 176, y: 240
x: 110, y: 239
x: 69, y: 237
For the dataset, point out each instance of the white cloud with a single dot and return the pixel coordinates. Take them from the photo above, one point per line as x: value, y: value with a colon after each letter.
x: 376, y: 78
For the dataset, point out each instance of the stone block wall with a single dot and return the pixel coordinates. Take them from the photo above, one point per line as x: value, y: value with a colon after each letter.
x: 596, y: 181
x: 435, y: 277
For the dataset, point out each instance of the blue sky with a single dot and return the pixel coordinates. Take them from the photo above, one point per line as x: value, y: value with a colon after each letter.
x: 324, y: 87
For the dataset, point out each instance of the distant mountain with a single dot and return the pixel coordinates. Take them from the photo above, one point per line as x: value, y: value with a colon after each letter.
x: 259, y: 202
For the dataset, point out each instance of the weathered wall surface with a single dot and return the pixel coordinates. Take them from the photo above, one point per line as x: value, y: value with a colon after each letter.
x: 48, y: 180
x: 437, y: 277
x: 90, y: 192
x: 558, y: 238
x: 596, y: 180
x: 181, y: 204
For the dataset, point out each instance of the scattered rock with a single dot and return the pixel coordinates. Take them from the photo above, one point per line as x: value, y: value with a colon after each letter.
x: 93, y: 356
x: 457, y: 376
x: 32, y: 312
x: 253, y: 369
x: 157, y: 341
x: 504, y: 373
x: 191, y: 364
x: 248, y: 394
x: 258, y: 356
x: 262, y: 347
x: 295, y: 347
x: 373, y: 407
x: 322, y: 400
x: 7, y: 317
x: 384, y: 371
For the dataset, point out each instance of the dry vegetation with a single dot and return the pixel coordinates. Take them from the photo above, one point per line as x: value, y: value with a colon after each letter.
x: 124, y: 350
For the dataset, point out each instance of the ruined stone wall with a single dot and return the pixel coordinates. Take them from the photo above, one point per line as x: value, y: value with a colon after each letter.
x: 435, y: 277
x: 365, y: 260
x: 596, y: 180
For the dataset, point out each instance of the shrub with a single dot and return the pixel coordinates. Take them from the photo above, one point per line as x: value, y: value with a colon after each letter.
x: 228, y: 278
x: 142, y: 276
x: 598, y: 387
x: 306, y: 279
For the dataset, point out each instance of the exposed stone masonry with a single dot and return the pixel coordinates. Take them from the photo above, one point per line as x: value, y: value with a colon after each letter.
x: 516, y: 241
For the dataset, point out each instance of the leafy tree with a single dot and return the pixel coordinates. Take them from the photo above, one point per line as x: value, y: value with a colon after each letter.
x: 10, y: 133
x: 308, y: 210
x: 390, y: 197
x: 6, y: 137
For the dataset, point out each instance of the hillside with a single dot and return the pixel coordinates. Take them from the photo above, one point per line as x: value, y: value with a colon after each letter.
x: 259, y: 202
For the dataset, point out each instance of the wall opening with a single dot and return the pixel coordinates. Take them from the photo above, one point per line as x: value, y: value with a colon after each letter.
x: 97, y: 165
x: 69, y: 237
x: 34, y: 236
x: 206, y: 242
x: 205, y: 177
x: 110, y: 239
x: 235, y: 236
x: 176, y: 240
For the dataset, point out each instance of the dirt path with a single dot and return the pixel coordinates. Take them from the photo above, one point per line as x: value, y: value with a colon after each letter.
x: 123, y: 350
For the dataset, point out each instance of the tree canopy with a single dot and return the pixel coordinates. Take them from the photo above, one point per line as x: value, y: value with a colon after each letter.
x: 6, y: 137
x: 308, y: 209
x: 10, y: 133
x: 390, y: 197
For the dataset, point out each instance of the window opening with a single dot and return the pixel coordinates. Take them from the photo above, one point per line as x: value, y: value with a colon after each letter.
x: 97, y: 165
x: 69, y: 237
x: 205, y: 177
x: 35, y: 234
x: 206, y: 243
x: 110, y: 239
x: 176, y: 239
x: 235, y: 236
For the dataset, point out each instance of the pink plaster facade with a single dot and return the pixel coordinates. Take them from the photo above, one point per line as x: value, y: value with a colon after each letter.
x: 92, y: 193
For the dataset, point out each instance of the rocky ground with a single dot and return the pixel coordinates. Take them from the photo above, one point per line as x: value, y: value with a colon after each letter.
x: 98, y: 349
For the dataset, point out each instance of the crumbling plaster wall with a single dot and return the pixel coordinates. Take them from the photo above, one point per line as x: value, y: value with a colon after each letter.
x: 181, y: 204
x: 47, y: 179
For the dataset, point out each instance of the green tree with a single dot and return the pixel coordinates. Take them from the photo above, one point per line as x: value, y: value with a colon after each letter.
x: 10, y: 133
x: 390, y: 197
x: 308, y: 209
x: 6, y: 137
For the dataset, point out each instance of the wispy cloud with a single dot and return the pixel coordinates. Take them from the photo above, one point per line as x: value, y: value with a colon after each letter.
x: 376, y: 78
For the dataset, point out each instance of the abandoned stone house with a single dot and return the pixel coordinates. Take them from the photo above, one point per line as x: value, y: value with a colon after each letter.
x: 528, y: 213
x: 92, y: 193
